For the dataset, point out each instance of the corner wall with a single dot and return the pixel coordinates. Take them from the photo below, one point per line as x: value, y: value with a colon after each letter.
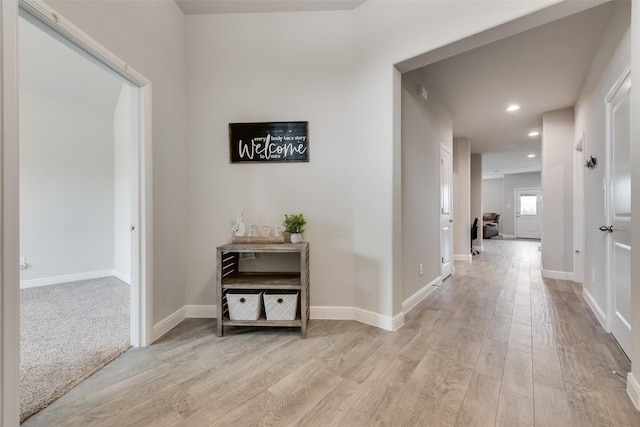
x: 493, y: 199
x: 557, y: 191
x: 426, y: 124
x: 122, y: 186
x: 476, y: 196
x: 67, y: 192
x: 462, y: 199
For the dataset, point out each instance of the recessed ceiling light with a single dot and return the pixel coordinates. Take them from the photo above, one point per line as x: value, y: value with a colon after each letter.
x: 534, y: 133
x: 513, y: 107
x: 531, y: 156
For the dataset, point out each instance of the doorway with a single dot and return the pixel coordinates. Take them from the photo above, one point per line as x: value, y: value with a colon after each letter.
x: 618, y: 209
x: 136, y: 99
x: 528, y: 213
x: 446, y: 214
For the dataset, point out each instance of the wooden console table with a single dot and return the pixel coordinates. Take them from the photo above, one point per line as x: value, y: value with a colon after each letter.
x: 228, y: 277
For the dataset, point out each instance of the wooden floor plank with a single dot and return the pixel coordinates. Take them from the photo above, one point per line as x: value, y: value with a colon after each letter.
x: 551, y: 407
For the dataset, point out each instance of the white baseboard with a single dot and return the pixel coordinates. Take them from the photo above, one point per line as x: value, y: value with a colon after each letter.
x: 56, y: 280
x: 600, y: 314
x: 378, y: 320
x: 126, y: 279
x: 559, y: 275
x: 358, y: 314
x: 331, y: 313
x: 466, y: 257
x: 201, y: 311
x: 317, y: 312
x: 168, y: 323
x: 416, y: 298
x: 633, y: 390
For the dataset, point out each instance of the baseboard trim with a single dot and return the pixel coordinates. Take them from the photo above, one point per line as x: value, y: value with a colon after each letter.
x: 633, y: 390
x: 168, y: 323
x: 459, y: 257
x: 201, y: 311
x: 315, y: 313
x: 600, y: 314
x: 423, y: 293
x: 126, y: 279
x: 56, y: 280
x: 559, y: 275
x: 331, y: 313
x: 378, y: 320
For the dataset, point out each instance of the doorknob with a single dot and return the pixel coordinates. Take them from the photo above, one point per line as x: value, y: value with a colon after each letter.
x: 605, y: 228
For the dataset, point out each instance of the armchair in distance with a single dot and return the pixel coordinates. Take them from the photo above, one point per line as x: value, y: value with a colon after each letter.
x: 490, y: 225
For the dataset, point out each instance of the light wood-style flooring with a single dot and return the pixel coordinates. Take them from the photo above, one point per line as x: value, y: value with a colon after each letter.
x: 495, y: 345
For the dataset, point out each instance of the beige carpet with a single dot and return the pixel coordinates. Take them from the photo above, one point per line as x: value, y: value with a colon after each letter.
x: 67, y: 333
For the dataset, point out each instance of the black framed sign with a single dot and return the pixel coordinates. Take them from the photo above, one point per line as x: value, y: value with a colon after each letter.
x: 269, y: 142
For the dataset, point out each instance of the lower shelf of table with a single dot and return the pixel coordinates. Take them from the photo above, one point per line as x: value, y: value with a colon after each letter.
x: 263, y: 322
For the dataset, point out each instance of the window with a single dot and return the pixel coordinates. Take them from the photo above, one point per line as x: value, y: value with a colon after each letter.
x: 528, y: 204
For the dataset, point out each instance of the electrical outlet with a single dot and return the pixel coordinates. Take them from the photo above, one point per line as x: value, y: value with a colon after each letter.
x: 23, y: 263
x: 421, y: 269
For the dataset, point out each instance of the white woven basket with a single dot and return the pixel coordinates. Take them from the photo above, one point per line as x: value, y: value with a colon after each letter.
x: 280, y: 306
x: 244, y: 306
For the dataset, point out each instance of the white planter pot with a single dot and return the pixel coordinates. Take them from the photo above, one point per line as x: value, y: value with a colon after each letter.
x: 296, y: 237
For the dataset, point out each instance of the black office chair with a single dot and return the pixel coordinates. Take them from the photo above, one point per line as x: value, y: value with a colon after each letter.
x: 474, y: 235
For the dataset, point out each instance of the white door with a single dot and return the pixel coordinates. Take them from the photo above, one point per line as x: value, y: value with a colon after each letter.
x: 528, y: 213
x: 619, y: 212
x: 446, y: 216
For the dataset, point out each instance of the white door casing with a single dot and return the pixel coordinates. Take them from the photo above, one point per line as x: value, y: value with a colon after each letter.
x: 618, y: 210
x: 446, y: 214
x: 528, y: 213
x: 578, y: 211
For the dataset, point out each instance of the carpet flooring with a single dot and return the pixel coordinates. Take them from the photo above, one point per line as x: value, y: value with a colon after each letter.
x: 67, y: 333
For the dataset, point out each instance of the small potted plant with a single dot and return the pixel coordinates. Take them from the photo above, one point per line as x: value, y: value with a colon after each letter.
x: 294, y: 224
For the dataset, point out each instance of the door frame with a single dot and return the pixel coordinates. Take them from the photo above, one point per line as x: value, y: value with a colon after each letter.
x: 578, y: 211
x: 36, y: 11
x: 626, y: 74
x: 444, y: 148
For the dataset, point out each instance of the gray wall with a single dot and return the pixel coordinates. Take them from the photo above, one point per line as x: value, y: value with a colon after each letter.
x: 461, y: 197
x: 557, y: 190
x: 476, y: 194
x: 425, y: 125
x: 493, y: 197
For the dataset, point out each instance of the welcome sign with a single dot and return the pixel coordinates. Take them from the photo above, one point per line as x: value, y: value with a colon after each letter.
x: 269, y: 142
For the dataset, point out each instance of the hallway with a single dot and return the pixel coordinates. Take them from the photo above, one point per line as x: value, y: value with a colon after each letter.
x: 495, y: 345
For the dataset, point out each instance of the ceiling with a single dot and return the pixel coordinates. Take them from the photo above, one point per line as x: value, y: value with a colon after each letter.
x: 541, y: 70
x: 202, y: 7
